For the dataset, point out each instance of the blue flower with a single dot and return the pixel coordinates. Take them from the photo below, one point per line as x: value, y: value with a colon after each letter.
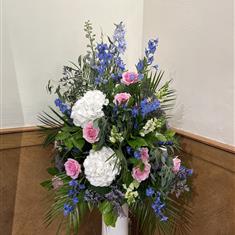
x: 158, y: 206
x: 152, y: 45
x: 71, y: 192
x: 63, y: 108
x: 115, y: 111
x: 135, y: 112
x: 73, y: 183
x: 137, y: 154
x: 149, y: 106
x: 189, y: 172
x: 81, y: 186
x: 150, y: 50
x: 75, y: 200
x: 184, y: 172
x: 58, y: 102
x: 119, y: 62
x: 140, y: 66
x: 115, y: 77
x: 119, y: 38
x: 103, y: 53
x: 67, y: 209
x: 149, y: 192
x: 169, y: 142
x: 135, y: 125
x: 97, y: 80
x: 160, y: 143
x: 128, y: 149
x: 150, y: 59
x: 140, y: 76
x: 105, y: 56
x: 165, y: 143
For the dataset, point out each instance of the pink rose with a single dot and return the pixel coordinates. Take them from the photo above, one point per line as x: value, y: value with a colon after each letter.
x: 72, y: 168
x: 90, y: 134
x: 176, y: 164
x: 129, y: 78
x: 144, y: 154
x: 139, y: 175
x: 121, y: 98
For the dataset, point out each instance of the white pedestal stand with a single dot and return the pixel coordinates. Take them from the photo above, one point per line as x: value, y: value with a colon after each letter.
x: 121, y: 227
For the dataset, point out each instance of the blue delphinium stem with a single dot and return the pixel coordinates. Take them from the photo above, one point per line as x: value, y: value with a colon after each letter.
x: 158, y: 206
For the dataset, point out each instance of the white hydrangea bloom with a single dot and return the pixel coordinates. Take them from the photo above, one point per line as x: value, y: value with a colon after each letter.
x: 100, y: 168
x: 88, y: 108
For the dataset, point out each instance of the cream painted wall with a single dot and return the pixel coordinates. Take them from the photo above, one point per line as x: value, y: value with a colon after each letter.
x: 39, y: 37
x: 196, y: 41
x: 196, y: 50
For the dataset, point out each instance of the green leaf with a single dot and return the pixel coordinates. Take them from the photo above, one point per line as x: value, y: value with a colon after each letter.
x: 46, y: 184
x: 142, y: 166
x: 110, y: 219
x: 170, y: 133
x: 137, y: 143
x: 78, y: 143
x: 52, y: 171
x: 105, y: 207
x: 134, y: 161
x: 109, y: 215
x: 160, y: 137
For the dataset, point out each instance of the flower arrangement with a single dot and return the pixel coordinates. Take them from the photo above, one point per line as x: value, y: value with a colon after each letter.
x: 113, y: 145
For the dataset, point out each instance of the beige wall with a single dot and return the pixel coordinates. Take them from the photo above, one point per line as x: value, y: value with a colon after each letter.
x: 196, y: 50
x: 196, y: 41
x: 39, y: 37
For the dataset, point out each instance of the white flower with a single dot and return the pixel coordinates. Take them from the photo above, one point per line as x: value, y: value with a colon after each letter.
x: 131, y: 192
x: 88, y: 108
x: 149, y: 126
x: 101, y: 167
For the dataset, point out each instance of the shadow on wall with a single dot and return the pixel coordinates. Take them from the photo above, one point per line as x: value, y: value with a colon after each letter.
x: 177, y: 115
x: 11, y: 114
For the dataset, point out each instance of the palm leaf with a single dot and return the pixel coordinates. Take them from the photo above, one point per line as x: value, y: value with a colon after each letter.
x: 151, y: 82
x: 180, y: 217
x: 71, y: 221
x: 50, y: 127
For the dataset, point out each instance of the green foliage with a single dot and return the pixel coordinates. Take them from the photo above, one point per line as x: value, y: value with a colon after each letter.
x: 73, y: 220
x: 46, y: 184
x: 53, y: 171
x: 50, y: 128
x: 137, y: 142
x: 71, y: 137
x: 180, y: 217
x: 91, y: 37
x: 102, y: 125
x: 108, y: 213
x: 150, y: 83
x: 76, y: 81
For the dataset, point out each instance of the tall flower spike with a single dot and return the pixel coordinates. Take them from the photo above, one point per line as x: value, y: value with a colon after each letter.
x: 150, y: 50
x: 119, y: 37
